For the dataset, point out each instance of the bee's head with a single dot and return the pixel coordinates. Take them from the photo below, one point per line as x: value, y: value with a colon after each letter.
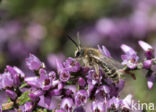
x: 79, y: 52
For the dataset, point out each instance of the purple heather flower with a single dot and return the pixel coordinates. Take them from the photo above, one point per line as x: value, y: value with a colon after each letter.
x: 102, y: 93
x: 127, y: 49
x: 93, y: 77
x: 67, y: 104
x: 19, y: 71
x: 81, y: 97
x: 90, y: 89
x: 130, y: 57
x: 114, y: 103
x: 71, y: 88
x: 60, y: 110
x: 11, y: 94
x: 32, y: 81
x: 98, y: 106
x: 11, y: 77
x: 68, y: 92
x: 33, y: 63
x: 57, y: 84
x: 114, y: 89
x: 120, y: 85
x: 88, y: 106
x: 44, y: 81
x: 147, y: 48
x: 72, y: 65
x: 64, y: 74
x: 48, y: 102
x: 55, y: 92
x: 14, y: 75
x: 60, y: 86
x: 147, y: 64
x: 79, y: 109
x: 150, y: 81
x: 43, y: 72
x: 81, y: 82
x: 6, y: 80
x: 130, y: 60
x: 34, y: 95
x: 28, y: 107
x: 52, y: 75
x: 104, y: 51
x: 11, y: 70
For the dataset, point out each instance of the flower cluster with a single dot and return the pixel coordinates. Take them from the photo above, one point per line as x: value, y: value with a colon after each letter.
x: 73, y: 87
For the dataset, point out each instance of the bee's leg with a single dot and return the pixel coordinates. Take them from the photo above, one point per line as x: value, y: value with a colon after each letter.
x: 85, y: 61
x: 86, y: 64
x: 96, y: 66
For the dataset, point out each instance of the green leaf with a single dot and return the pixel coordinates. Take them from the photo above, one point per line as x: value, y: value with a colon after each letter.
x: 78, y: 87
x: 23, y: 85
x: 69, y: 82
x: 9, y: 100
x: 45, y: 110
x: 41, y: 110
x: 23, y: 98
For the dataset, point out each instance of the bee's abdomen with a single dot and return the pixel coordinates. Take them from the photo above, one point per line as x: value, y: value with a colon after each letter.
x: 109, y: 71
x: 108, y: 67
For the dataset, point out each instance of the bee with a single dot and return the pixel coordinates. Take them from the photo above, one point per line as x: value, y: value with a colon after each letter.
x: 94, y: 58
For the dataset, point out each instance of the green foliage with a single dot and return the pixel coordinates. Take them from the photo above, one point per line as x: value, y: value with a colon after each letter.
x: 23, y: 85
x: 41, y: 110
x: 23, y: 98
x: 9, y: 100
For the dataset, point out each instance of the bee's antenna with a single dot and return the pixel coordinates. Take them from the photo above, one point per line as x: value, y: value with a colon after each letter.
x: 72, y: 41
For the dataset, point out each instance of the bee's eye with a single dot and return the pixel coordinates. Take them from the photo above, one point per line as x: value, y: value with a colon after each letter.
x: 78, y: 54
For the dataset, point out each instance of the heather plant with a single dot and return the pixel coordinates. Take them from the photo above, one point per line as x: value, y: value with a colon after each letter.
x: 73, y: 87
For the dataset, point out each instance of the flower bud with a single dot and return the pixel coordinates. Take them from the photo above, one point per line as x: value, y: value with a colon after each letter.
x: 147, y: 48
x: 81, y: 82
x: 33, y: 63
x: 11, y: 94
x: 147, y: 64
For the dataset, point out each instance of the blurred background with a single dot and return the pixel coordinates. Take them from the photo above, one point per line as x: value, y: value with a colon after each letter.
x: 39, y: 27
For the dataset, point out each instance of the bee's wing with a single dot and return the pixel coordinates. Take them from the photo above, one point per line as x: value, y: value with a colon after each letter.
x: 111, y: 63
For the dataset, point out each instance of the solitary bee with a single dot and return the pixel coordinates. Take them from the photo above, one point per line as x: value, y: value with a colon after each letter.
x: 94, y: 58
